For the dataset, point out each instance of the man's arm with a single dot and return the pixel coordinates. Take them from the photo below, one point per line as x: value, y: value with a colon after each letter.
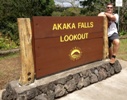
x: 110, y: 16
x: 101, y: 14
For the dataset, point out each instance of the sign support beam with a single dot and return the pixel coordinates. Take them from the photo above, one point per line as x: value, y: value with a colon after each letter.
x: 105, y: 47
x: 27, y: 63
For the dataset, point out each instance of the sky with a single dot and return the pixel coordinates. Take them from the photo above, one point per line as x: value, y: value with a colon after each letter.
x: 68, y: 3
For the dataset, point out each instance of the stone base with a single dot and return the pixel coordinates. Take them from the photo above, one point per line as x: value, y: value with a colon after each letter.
x: 63, y: 83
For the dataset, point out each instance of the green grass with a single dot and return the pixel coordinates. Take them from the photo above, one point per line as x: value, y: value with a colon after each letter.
x: 122, y: 53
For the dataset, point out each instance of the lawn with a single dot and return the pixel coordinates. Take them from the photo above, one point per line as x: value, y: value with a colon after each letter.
x: 122, y: 53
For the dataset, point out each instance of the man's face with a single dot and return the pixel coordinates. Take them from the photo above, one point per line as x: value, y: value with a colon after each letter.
x: 109, y: 9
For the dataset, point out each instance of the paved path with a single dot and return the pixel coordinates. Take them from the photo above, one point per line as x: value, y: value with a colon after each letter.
x: 113, y: 88
x: 1, y: 93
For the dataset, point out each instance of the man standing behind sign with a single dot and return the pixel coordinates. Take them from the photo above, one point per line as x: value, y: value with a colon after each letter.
x: 113, y: 36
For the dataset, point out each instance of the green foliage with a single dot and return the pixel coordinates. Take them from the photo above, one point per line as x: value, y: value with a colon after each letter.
x: 10, y: 30
x: 122, y: 33
x: 93, y: 7
x: 10, y: 10
x: 123, y: 17
x: 71, y: 12
x: 56, y: 13
x: 6, y: 43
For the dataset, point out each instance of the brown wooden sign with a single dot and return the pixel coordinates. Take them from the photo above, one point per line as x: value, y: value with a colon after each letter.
x: 60, y: 43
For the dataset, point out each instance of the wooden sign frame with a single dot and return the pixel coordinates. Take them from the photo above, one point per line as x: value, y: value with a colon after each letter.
x: 30, y: 67
x: 57, y: 40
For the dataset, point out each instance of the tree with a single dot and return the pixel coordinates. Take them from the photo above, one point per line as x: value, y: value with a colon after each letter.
x: 93, y: 7
x: 10, y: 10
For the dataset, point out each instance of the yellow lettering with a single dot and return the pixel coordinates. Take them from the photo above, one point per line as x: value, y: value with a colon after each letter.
x: 91, y: 24
x: 54, y: 27
x: 85, y: 25
x: 73, y: 26
x: 66, y: 38
x: 63, y: 26
x: 79, y: 25
x: 59, y: 26
x: 73, y: 37
x: 61, y: 39
x: 86, y: 35
x: 68, y: 26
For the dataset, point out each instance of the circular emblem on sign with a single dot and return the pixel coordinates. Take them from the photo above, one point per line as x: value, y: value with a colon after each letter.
x: 75, y: 53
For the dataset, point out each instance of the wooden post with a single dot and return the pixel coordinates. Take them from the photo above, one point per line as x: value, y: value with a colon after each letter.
x: 27, y: 63
x: 105, y: 48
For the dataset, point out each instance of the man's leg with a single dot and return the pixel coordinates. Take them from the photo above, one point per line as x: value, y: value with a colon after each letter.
x: 110, y: 52
x: 113, y: 51
x: 116, y: 43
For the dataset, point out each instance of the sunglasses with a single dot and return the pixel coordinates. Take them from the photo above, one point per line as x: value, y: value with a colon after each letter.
x: 109, y: 7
